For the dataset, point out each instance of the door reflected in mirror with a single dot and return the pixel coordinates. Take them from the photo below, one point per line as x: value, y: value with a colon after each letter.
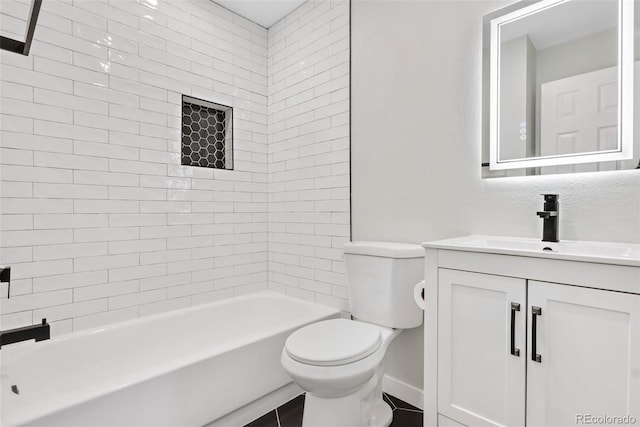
x: 560, y: 87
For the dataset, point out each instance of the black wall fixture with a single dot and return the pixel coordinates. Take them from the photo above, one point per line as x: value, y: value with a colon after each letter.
x: 17, y: 46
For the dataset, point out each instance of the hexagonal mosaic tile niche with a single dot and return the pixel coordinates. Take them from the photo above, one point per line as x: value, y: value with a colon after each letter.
x: 206, y: 134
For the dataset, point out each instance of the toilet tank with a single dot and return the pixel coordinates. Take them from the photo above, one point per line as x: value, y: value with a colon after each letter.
x: 381, y: 278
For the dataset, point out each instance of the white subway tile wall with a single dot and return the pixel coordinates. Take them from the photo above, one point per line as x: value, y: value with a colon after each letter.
x: 99, y: 220
x: 308, y: 152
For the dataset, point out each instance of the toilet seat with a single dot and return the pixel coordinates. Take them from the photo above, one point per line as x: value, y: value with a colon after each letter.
x: 333, y: 342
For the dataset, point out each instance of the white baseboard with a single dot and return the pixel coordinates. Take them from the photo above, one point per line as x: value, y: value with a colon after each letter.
x: 403, y: 391
x: 259, y: 407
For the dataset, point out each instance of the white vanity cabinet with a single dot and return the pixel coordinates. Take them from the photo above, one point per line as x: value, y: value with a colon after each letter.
x: 514, y: 340
x: 588, y: 342
x: 479, y: 382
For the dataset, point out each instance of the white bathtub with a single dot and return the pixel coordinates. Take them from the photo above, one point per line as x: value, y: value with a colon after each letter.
x: 183, y: 368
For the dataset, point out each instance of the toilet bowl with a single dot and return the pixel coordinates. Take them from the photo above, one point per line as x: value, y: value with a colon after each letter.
x: 340, y: 362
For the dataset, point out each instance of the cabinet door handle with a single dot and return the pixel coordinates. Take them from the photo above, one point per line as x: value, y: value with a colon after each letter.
x: 535, y: 312
x: 514, y: 307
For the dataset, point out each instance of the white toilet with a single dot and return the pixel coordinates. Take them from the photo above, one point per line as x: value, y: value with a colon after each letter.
x: 339, y: 362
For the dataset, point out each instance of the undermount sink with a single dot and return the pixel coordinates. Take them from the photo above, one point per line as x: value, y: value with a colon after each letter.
x: 601, y: 252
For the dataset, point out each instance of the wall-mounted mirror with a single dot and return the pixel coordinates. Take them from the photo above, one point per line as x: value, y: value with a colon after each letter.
x: 558, y: 87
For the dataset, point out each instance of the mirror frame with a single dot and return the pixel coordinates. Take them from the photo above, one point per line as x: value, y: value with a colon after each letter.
x: 625, y: 90
x: 23, y: 47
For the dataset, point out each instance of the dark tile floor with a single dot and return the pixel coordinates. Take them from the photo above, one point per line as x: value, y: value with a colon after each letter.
x: 290, y: 414
x: 404, y: 415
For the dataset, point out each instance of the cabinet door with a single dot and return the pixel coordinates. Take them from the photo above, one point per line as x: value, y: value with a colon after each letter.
x: 480, y: 383
x: 588, y: 342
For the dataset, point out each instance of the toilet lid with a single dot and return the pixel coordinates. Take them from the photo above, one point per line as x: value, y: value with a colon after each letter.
x: 333, y: 342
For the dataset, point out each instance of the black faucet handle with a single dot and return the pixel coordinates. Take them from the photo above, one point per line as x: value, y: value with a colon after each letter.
x: 547, y: 214
x: 550, y: 198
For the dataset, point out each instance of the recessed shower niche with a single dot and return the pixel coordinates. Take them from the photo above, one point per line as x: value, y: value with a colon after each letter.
x: 207, y: 134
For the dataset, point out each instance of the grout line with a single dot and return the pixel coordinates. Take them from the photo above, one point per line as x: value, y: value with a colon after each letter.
x: 277, y: 417
x: 417, y: 411
x: 393, y: 405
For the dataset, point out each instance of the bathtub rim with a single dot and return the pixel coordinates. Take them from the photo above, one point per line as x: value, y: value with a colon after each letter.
x: 183, y: 310
x: 153, y: 371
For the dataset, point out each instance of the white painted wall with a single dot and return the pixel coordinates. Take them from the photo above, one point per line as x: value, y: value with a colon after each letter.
x: 416, y: 65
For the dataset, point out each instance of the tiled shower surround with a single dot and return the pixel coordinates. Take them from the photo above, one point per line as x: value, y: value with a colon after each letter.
x: 309, y: 152
x: 100, y: 221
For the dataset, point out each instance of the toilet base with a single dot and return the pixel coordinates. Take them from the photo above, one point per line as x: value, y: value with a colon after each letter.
x: 381, y: 415
x: 340, y: 413
x: 363, y: 408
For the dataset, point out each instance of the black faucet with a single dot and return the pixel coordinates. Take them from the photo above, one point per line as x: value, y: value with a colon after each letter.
x: 550, y: 218
x: 36, y: 332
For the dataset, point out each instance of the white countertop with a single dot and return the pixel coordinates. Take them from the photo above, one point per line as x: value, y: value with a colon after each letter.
x: 615, y: 253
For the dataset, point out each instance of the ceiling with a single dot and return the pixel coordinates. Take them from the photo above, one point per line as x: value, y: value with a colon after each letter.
x: 263, y: 12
